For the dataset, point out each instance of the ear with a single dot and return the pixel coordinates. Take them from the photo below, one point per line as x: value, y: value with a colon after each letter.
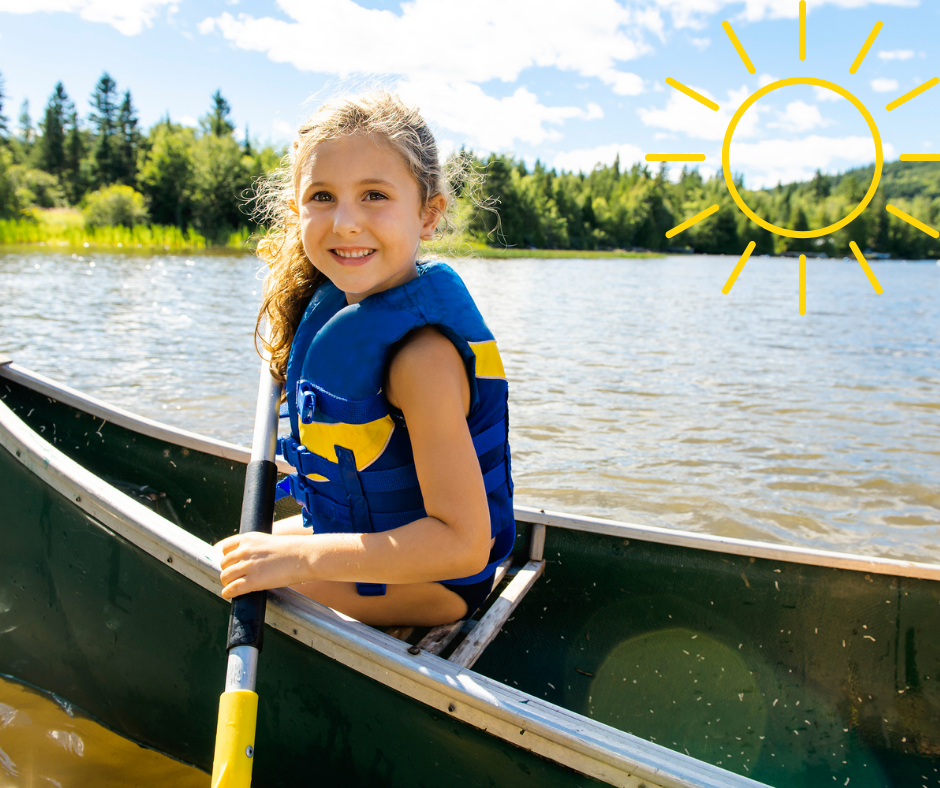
x: 433, y: 212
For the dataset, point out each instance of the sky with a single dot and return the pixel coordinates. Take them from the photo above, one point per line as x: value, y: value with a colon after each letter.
x: 572, y: 83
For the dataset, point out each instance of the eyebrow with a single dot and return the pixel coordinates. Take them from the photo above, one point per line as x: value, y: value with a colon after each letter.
x: 364, y: 182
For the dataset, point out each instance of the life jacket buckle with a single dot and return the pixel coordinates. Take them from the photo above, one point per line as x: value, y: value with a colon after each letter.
x: 306, y: 401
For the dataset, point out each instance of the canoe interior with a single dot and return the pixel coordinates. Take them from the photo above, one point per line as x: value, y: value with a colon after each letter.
x: 141, y: 649
x: 790, y: 674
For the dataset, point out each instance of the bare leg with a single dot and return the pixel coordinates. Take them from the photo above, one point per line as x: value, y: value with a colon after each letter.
x: 414, y: 604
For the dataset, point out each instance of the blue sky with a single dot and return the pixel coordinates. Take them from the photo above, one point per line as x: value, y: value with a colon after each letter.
x: 572, y: 82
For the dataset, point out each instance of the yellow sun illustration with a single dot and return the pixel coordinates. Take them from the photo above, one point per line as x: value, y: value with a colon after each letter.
x: 726, y: 150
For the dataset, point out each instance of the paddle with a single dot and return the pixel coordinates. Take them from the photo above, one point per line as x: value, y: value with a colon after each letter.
x: 238, y: 705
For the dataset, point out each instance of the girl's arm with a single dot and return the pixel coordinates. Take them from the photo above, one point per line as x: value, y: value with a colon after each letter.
x: 427, y: 380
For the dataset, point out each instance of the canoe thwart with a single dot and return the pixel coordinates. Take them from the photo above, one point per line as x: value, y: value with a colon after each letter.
x: 537, y: 542
x: 442, y: 636
x: 468, y: 652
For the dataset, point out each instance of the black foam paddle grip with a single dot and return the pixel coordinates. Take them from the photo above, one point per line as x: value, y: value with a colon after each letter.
x: 246, y: 624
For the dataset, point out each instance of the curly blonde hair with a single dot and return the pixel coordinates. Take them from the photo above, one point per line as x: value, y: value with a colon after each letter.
x: 293, y: 279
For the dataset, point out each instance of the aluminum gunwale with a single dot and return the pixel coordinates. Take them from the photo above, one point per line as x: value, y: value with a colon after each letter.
x: 573, y: 522
x: 562, y: 736
x: 729, y: 545
x: 124, y: 418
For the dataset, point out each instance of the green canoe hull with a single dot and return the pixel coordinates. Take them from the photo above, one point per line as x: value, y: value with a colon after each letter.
x: 793, y: 669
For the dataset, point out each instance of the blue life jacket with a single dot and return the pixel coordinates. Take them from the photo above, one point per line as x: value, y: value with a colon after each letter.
x: 355, y: 467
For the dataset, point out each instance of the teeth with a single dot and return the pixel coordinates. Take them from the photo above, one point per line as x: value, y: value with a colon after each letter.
x: 353, y: 254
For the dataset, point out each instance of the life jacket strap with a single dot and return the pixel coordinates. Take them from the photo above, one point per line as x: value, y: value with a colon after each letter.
x: 320, y: 506
x: 307, y: 463
x: 310, y: 398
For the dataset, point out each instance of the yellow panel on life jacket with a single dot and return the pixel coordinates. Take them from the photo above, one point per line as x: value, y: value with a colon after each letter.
x: 366, y: 441
x: 489, y: 364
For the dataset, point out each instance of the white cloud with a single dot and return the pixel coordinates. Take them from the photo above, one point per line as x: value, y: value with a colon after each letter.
x: 590, y: 38
x: 687, y: 116
x: 701, y: 44
x: 799, y: 116
x: 694, y: 13
x: 129, y: 17
x: 767, y: 162
x: 489, y: 123
x: 897, y: 54
x: 188, y: 120
x: 824, y: 94
x: 586, y: 159
x: 884, y: 85
x: 764, y: 80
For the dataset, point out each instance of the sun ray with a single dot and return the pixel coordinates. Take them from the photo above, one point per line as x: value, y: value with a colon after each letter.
x: 866, y: 46
x: 802, y: 29
x: 737, y: 45
x: 865, y: 267
x: 738, y: 268
x: 691, y: 93
x: 694, y: 220
x: 920, y: 157
x: 913, y: 94
x: 675, y: 157
x: 802, y: 284
x: 912, y: 221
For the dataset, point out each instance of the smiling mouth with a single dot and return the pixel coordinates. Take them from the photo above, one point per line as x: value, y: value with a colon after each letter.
x: 349, y: 254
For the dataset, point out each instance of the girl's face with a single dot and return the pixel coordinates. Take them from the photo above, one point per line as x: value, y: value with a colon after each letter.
x: 361, y: 216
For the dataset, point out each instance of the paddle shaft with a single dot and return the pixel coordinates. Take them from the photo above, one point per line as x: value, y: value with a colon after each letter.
x: 246, y: 623
x: 238, y: 705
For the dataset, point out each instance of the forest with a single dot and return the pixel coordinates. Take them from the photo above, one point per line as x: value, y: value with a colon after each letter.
x: 199, y: 182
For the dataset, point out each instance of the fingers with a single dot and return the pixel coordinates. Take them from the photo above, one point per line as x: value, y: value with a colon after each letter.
x: 228, y: 543
x: 237, y: 588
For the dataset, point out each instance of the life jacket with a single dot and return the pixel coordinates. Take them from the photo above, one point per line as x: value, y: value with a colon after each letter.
x: 350, y: 447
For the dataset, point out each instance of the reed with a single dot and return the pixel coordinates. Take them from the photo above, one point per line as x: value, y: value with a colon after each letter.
x: 59, y: 231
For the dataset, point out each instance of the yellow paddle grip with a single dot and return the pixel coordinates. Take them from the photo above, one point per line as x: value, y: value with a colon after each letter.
x: 235, y: 739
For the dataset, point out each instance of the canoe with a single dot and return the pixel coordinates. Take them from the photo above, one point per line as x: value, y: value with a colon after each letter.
x: 636, y: 655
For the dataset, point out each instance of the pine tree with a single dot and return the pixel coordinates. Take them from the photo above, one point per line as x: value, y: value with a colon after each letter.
x: 52, y: 142
x: 73, y: 180
x: 128, y: 141
x: 27, y: 133
x: 104, y: 118
x: 217, y: 122
x: 246, y: 146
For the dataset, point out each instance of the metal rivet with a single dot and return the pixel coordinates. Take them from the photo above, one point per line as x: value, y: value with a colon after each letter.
x: 169, y: 560
x: 452, y: 708
x: 78, y: 499
x: 249, y: 751
x: 414, y: 650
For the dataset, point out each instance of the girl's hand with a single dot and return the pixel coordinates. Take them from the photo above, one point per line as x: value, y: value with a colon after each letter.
x: 258, y: 561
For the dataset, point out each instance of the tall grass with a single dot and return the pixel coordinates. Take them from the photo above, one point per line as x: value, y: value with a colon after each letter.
x: 65, y: 231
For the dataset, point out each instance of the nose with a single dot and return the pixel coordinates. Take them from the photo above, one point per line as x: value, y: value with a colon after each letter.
x: 346, y: 219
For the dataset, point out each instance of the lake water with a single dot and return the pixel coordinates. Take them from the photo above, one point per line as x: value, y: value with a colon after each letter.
x: 637, y: 390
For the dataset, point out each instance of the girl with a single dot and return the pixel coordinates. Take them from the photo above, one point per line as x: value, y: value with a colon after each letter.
x: 395, y: 388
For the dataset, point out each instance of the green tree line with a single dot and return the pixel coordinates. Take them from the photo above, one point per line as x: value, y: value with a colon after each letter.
x: 105, y: 164
x: 611, y: 208
x: 198, y: 179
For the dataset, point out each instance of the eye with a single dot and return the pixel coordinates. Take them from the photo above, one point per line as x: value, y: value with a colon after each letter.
x: 374, y: 195
x: 321, y: 197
